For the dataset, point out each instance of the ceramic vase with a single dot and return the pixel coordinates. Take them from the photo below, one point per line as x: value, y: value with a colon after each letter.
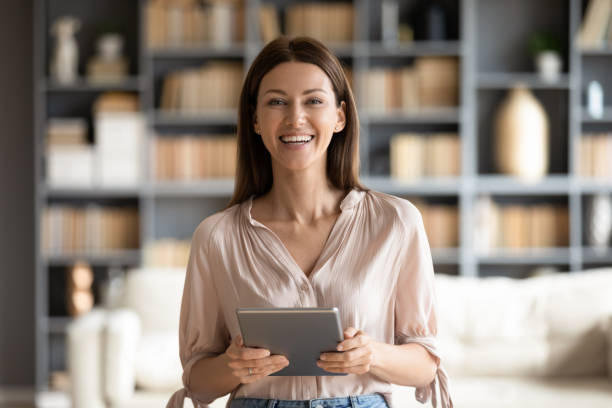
x: 521, y: 136
x: 599, y: 221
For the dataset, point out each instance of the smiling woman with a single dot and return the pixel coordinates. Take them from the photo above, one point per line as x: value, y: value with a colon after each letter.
x: 296, y: 88
x: 301, y: 231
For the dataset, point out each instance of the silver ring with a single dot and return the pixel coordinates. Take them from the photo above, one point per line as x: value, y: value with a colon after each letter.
x: 250, y: 371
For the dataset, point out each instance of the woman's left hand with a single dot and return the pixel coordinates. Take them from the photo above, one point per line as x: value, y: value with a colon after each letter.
x: 355, y: 355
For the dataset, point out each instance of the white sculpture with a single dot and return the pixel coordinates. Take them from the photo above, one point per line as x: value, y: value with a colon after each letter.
x: 65, y: 60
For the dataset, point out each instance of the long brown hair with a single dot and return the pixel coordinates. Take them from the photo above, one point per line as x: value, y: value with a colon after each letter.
x: 254, y: 166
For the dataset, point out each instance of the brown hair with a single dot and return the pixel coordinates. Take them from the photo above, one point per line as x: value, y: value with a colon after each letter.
x: 254, y: 167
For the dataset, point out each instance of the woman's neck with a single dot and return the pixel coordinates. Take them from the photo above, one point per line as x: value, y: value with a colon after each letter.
x: 303, y: 196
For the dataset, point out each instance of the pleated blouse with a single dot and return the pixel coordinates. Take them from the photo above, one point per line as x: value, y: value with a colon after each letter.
x: 375, y: 267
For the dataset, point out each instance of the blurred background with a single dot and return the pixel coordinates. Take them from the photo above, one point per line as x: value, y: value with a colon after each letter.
x: 119, y: 136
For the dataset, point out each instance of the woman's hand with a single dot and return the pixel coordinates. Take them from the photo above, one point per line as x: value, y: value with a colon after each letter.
x: 252, y: 364
x: 356, y: 354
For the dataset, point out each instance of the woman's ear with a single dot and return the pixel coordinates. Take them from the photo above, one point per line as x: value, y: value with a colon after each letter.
x: 341, y: 117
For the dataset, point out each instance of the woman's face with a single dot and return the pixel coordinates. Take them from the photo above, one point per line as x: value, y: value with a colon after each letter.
x: 296, y: 115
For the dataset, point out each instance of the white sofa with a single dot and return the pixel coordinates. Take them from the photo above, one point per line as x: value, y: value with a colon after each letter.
x: 538, y: 342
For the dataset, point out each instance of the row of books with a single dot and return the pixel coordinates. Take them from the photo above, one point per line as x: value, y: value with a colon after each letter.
x: 190, y: 157
x: 520, y: 226
x: 596, y: 156
x: 115, y: 157
x: 441, y: 223
x: 596, y: 28
x: 417, y: 155
x: 91, y: 228
x: 328, y: 22
x: 180, y: 23
x: 214, y: 86
x: 166, y: 253
x: 430, y: 82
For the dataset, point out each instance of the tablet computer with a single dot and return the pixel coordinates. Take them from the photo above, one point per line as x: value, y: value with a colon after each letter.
x: 300, y: 334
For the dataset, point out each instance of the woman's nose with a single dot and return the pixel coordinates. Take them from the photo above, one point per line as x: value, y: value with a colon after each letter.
x: 295, y: 115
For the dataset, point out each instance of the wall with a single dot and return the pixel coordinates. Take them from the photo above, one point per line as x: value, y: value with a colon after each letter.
x: 17, y: 345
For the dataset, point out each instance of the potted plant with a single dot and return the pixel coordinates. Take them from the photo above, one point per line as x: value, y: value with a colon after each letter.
x: 545, y: 48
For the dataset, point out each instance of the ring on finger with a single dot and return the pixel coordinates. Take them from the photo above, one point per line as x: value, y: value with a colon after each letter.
x: 250, y: 371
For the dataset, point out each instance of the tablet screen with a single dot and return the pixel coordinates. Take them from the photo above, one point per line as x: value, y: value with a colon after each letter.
x: 300, y: 334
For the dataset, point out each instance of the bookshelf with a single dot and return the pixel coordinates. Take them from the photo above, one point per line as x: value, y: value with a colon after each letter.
x: 484, y: 36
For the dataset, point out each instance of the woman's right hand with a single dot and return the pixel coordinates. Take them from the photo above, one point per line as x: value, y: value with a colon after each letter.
x: 258, y: 360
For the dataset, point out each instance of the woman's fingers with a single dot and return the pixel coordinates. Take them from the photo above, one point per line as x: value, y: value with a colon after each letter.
x: 256, y: 369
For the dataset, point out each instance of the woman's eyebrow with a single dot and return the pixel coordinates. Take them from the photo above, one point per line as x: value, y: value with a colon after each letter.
x: 280, y: 91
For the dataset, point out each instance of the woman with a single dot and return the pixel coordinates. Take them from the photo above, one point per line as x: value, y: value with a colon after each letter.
x: 301, y: 231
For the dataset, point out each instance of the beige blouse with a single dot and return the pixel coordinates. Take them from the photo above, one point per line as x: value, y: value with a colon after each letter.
x: 375, y: 267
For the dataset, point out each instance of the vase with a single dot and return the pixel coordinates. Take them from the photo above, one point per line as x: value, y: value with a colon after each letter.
x: 521, y: 136
x: 599, y: 221
x: 548, y: 64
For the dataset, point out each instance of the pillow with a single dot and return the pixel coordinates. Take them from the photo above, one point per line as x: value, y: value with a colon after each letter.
x: 158, y: 366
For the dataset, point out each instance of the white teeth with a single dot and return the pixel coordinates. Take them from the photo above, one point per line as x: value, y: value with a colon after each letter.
x: 294, y: 139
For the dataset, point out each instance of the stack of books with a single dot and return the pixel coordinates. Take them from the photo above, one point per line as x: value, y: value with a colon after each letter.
x: 214, y: 87
x: 520, y: 226
x: 441, y: 223
x: 188, y: 23
x: 70, y: 159
x: 188, y: 157
x: 331, y: 23
x: 119, y: 132
x: 595, y: 156
x: 167, y: 253
x: 432, y: 82
x: 415, y: 155
x: 90, y: 229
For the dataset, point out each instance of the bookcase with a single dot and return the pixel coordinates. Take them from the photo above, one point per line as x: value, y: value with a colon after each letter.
x: 487, y: 38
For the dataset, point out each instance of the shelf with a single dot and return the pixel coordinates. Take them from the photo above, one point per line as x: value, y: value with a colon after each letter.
x: 204, y: 188
x: 427, y: 186
x: 89, y: 192
x: 508, y: 256
x: 451, y: 115
x: 596, y: 255
x: 163, y: 118
x: 594, y: 186
x: 415, y: 49
x: 498, y: 184
x: 502, y: 80
x: 134, y: 84
x: 445, y: 256
x: 119, y: 257
x: 596, y: 52
x: 606, y: 118
x: 200, y: 51
x: 57, y: 325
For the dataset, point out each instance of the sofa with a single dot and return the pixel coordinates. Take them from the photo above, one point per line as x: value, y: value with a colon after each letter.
x: 536, y: 342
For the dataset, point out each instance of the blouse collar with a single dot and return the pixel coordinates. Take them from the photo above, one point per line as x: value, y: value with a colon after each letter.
x: 348, y: 202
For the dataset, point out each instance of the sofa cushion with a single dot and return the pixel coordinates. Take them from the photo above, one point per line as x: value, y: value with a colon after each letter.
x: 158, y: 366
x: 578, y: 309
x: 155, y: 294
x: 544, y: 326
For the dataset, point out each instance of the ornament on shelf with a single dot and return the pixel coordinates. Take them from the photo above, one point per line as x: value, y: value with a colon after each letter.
x: 546, y: 52
x: 599, y: 221
x: 521, y: 132
x: 108, y: 65
x: 79, y: 295
x: 65, y: 60
x: 595, y: 102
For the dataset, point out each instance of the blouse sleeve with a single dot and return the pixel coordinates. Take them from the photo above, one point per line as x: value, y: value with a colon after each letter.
x: 415, y: 304
x: 202, y: 329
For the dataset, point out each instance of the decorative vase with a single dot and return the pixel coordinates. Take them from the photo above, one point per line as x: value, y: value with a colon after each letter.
x: 521, y: 136
x: 548, y: 64
x: 599, y: 221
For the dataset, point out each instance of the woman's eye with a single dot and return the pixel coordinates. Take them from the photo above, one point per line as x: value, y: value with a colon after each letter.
x: 318, y: 101
x: 273, y: 101
x: 315, y: 101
